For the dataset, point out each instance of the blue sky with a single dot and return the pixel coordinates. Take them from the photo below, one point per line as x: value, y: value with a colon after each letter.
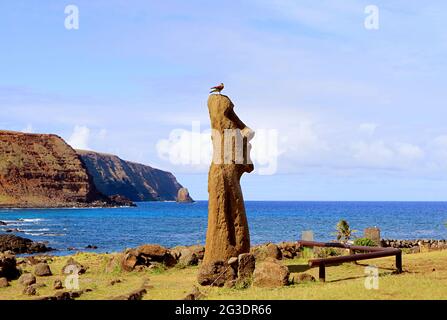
x: 360, y: 114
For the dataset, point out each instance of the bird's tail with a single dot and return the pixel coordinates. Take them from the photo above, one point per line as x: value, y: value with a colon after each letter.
x: 212, y: 91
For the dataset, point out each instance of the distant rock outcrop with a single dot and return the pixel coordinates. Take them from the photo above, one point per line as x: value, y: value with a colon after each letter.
x: 183, y: 195
x: 19, y: 245
x: 42, y: 170
x: 137, y: 182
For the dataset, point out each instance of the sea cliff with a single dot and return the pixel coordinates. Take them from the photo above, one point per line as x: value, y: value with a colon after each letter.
x: 137, y: 182
x: 42, y: 170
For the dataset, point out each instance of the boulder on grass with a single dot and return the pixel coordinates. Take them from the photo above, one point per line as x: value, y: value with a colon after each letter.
x: 154, y: 252
x: 188, y: 257
x: 267, y: 251
x: 195, y: 294
x: 129, y: 260
x: 169, y: 260
x: 270, y: 273
x: 134, y: 295
x: 246, y: 266
x: 8, y: 266
x: 198, y: 250
x: 30, y: 290
x: 27, y: 279
x: 217, y: 274
x: 298, y: 278
x: 4, y: 282
x: 150, y: 253
x: 57, y: 285
x: 42, y: 270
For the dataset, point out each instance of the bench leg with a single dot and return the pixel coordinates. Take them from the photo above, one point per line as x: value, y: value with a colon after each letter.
x: 399, y: 262
x: 322, y: 273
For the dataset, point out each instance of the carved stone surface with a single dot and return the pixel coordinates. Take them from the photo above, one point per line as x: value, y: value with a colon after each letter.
x: 227, y: 233
x: 373, y: 234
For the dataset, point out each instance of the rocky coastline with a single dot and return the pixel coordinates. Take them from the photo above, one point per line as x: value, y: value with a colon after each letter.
x: 19, y: 245
x: 417, y: 245
x: 265, y: 266
x: 43, y: 171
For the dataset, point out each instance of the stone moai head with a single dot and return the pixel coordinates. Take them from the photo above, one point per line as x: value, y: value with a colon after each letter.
x: 231, y: 137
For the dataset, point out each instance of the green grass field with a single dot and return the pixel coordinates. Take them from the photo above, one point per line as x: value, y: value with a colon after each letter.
x: 424, y: 277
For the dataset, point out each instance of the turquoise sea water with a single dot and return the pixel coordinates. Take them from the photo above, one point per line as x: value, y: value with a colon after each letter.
x: 171, y: 224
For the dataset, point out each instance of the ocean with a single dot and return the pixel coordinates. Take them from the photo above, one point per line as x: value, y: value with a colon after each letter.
x: 171, y: 224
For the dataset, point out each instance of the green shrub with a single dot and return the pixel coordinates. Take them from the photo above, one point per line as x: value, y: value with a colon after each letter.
x: 327, y: 252
x: 158, y: 269
x: 364, y: 242
x: 307, y: 253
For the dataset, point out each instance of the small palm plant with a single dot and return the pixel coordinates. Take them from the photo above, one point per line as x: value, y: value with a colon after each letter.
x: 344, y: 232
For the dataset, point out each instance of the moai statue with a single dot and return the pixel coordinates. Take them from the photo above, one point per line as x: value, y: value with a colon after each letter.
x: 227, y: 234
x: 373, y: 233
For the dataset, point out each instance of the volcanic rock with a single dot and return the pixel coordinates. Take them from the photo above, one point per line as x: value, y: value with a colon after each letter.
x: 269, y: 250
x: 216, y: 273
x: 188, y: 257
x: 42, y: 270
x: 19, y: 245
x: 246, y: 267
x: 195, y: 294
x: 8, y: 266
x: 30, y: 290
x: 301, y: 278
x: 4, y: 282
x: 122, y: 201
x: 42, y: 170
x: 270, y: 273
x: 183, y: 195
x: 134, y: 295
x: 135, y: 182
x: 227, y: 234
x: 154, y: 252
x: 58, y: 285
x: 129, y: 260
x: 27, y: 279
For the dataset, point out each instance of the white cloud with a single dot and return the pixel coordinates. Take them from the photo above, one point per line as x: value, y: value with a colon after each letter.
x: 193, y: 149
x: 381, y: 154
x: 187, y: 148
x: 410, y: 151
x: 375, y: 153
x: 80, y: 137
x: 368, y: 128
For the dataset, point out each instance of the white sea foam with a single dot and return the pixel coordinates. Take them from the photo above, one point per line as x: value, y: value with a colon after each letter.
x: 31, y: 220
x: 35, y: 230
x: 45, y: 234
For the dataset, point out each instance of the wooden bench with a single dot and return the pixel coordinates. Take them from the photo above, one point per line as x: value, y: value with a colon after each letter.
x: 371, y: 253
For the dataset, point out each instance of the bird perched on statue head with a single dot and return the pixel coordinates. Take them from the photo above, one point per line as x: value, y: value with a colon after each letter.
x: 218, y: 88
